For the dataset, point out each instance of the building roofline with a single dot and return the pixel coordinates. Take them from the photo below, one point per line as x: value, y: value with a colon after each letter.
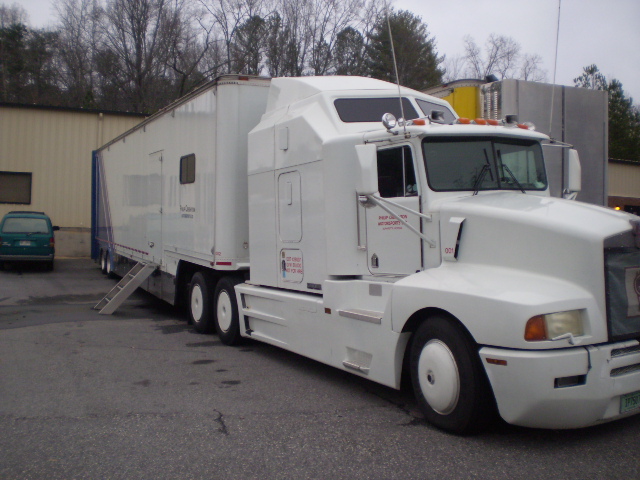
x: 70, y: 109
x: 627, y: 162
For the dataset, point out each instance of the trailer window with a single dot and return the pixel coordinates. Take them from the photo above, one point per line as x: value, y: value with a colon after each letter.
x: 396, y: 175
x: 188, y: 168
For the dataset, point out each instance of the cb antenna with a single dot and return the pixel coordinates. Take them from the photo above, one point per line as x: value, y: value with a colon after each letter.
x: 555, y: 66
x: 395, y: 67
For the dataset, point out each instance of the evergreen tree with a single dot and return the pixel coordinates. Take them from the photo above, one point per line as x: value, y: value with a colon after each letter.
x: 624, y: 117
x: 416, y: 56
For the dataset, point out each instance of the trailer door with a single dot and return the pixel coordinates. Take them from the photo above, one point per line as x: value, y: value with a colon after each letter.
x: 154, y: 207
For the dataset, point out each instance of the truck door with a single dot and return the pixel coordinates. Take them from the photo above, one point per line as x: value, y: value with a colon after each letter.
x: 391, y: 247
x: 154, y: 207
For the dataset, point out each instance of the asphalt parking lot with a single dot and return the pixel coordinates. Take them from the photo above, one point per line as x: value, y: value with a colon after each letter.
x: 140, y: 395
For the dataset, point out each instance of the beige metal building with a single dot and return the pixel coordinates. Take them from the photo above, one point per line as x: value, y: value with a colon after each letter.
x: 45, y: 165
x: 624, y: 185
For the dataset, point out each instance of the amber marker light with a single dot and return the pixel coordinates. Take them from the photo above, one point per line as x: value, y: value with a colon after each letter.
x: 419, y: 121
x: 480, y: 121
x: 494, y: 123
x: 464, y: 121
x: 536, y: 329
x: 497, y: 361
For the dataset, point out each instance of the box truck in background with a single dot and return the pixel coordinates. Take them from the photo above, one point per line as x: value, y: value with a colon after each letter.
x: 284, y: 210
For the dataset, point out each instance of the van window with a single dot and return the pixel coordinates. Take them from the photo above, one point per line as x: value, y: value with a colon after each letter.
x: 25, y: 225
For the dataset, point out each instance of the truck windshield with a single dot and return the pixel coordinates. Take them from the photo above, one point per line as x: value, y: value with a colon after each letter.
x: 479, y: 163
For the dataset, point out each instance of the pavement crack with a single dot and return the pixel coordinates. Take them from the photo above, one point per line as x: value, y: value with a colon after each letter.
x: 223, y: 426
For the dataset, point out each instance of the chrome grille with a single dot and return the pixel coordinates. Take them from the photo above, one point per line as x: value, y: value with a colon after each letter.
x: 616, y: 372
x: 619, y: 352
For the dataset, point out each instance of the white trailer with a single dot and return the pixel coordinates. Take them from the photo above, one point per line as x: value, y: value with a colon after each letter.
x: 283, y: 210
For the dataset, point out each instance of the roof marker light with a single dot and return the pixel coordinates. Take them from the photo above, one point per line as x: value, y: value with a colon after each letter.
x: 463, y: 121
x: 495, y: 123
x: 480, y: 121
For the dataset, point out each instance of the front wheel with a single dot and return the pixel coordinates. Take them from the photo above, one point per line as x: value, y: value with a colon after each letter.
x: 450, y: 385
x: 227, y: 320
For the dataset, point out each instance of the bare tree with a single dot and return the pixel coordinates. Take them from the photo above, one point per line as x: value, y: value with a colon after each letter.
x: 192, y: 44
x: 138, y: 37
x: 227, y: 17
x: 500, y: 57
x: 12, y: 15
x: 453, y: 68
x: 78, y: 41
x: 326, y: 20
x: 531, y: 70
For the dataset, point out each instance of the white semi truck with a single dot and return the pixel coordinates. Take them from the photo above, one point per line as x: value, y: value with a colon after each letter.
x: 284, y: 210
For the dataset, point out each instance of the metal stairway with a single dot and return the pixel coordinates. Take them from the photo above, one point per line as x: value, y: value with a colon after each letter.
x: 123, y: 290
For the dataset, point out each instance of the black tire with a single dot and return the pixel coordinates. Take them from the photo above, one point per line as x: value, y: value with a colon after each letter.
x: 200, y: 306
x: 227, y: 320
x: 449, y: 383
x: 1, y: 265
x: 50, y: 266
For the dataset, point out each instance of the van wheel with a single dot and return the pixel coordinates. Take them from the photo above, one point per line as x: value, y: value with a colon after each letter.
x: 449, y: 383
x: 226, y: 308
x: 200, y: 312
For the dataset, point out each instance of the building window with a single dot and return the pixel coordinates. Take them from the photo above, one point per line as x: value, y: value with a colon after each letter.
x: 15, y: 187
x: 188, y: 168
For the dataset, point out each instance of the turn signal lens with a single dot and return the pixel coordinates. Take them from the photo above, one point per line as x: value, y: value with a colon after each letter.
x: 553, y: 325
x: 419, y: 121
x: 536, y: 329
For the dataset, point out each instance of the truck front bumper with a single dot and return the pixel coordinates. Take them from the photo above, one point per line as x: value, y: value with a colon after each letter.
x: 566, y: 388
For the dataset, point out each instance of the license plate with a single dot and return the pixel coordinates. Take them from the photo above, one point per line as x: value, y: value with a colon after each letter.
x: 25, y: 243
x: 630, y: 401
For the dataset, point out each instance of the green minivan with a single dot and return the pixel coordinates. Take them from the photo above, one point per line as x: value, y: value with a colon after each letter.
x: 27, y: 237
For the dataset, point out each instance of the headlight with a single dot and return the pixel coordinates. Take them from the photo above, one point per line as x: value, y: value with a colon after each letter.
x: 553, y: 325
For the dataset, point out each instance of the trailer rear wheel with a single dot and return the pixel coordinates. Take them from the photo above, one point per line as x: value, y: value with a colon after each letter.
x: 200, y: 311
x: 227, y: 319
x: 108, y: 267
x: 103, y: 262
x: 450, y: 385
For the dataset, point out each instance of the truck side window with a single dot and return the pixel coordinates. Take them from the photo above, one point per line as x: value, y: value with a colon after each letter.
x: 188, y: 168
x: 396, y: 174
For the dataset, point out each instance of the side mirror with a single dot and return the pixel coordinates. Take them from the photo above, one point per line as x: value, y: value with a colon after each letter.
x: 55, y: 229
x: 574, y: 172
x: 367, y: 182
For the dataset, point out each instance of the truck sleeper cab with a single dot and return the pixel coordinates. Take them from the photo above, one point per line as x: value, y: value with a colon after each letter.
x: 429, y: 242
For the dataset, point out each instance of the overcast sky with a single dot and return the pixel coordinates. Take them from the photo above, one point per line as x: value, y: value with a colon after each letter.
x: 604, y: 32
